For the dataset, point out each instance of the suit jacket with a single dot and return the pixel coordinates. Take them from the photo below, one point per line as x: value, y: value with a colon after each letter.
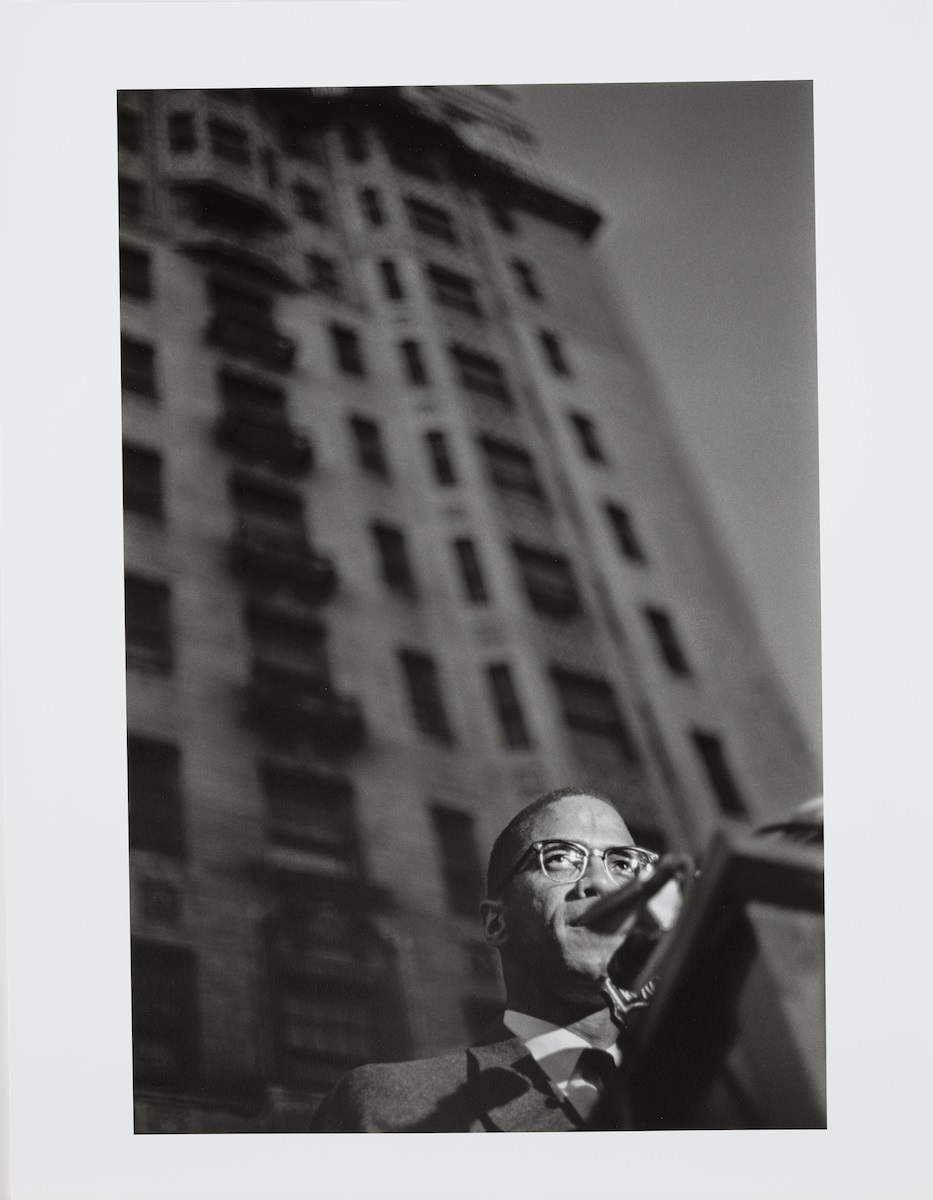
x: 495, y: 1087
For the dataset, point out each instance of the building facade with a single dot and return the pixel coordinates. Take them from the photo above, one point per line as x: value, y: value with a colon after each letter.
x: 408, y: 541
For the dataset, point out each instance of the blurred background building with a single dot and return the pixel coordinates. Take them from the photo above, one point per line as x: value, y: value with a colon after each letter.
x: 409, y: 540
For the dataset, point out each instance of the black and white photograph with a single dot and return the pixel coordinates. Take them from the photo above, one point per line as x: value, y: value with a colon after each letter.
x: 422, y: 612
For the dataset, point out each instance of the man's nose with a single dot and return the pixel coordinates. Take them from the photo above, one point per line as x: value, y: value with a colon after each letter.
x: 595, y: 880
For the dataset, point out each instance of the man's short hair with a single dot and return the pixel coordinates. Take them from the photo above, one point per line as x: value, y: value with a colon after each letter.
x: 511, y: 841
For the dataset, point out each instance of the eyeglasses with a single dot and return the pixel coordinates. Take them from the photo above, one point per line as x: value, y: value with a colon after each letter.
x: 566, y: 862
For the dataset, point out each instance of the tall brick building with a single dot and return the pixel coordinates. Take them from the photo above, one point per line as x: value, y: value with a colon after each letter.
x: 408, y: 541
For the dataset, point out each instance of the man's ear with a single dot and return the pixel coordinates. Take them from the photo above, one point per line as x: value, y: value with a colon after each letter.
x: 493, y: 914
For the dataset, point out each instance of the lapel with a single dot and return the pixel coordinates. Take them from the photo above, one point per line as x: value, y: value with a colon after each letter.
x: 513, y: 1093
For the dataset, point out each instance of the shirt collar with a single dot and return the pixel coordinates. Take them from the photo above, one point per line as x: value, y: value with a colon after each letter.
x: 554, y: 1047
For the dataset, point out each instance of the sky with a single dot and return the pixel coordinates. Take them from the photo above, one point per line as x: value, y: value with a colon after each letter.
x: 707, y: 192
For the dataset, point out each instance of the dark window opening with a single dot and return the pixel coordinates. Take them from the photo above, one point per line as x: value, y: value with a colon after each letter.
x: 416, y: 160
x: 589, y: 441
x: 461, y: 867
x: 502, y: 216
x: 246, y: 392
x: 371, y: 204
x: 310, y: 203
x: 165, y: 1021
x: 302, y: 144
x: 510, y: 467
x: 668, y: 642
x: 424, y: 694
x: 348, y: 350
x: 713, y: 756
x: 507, y: 705
x: 282, y: 642
x: 181, y: 136
x: 131, y: 199
x: 135, y: 273
x: 589, y: 704
x: 148, y: 629
x: 138, y: 367
x: 624, y: 530
x: 548, y: 580
x: 265, y: 508
x: 471, y: 572
x: 431, y: 220
x: 312, y: 811
x: 480, y: 374
x: 454, y: 290
x: 129, y: 130
x: 554, y: 353
x: 370, y: 453
x: 142, y: 481
x: 323, y: 274
x: 155, y: 813
x: 228, y: 141
x: 526, y: 279
x: 441, y: 461
x: 395, y: 565
x: 390, y: 280
x: 414, y: 363
x: 253, y: 307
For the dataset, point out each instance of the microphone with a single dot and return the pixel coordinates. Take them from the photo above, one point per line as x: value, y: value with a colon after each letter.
x: 611, y: 912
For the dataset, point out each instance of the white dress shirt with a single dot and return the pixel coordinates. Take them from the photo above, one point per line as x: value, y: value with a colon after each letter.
x: 556, y: 1050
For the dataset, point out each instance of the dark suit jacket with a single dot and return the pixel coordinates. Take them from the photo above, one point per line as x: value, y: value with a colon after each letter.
x: 496, y: 1087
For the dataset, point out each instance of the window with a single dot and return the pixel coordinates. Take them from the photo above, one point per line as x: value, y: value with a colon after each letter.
x: 135, y: 274
x: 502, y: 216
x: 554, y: 353
x: 416, y: 160
x: 142, y: 481
x: 354, y: 143
x: 713, y: 756
x: 510, y: 467
x: 323, y: 274
x: 395, y: 565
x: 252, y: 307
x: 310, y: 203
x: 131, y: 199
x: 456, y: 291
x: 428, y: 218
x: 154, y: 777
x: 508, y: 709
x: 247, y: 392
x: 348, y: 350
x: 588, y: 704
x: 334, y: 1022
x: 424, y: 694
x: 525, y: 277
x: 548, y: 580
x: 165, y: 1024
x: 228, y: 140
x: 129, y: 129
x: 477, y: 373
x: 441, y: 461
x: 586, y: 433
x: 284, y: 642
x: 471, y: 574
x: 138, y: 367
x: 148, y: 631
x: 414, y: 363
x: 621, y: 521
x: 390, y: 280
x: 181, y: 138
x: 265, y: 508
x: 464, y: 881
x: 668, y: 643
x: 372, y: 207
x: 311, y: 810
x: 369, y: 449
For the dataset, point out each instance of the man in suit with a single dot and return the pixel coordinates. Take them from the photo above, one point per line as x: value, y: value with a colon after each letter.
x: 540, y: 1069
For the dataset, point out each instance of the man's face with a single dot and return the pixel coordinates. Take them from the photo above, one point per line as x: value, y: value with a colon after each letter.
x: 564, y: 960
